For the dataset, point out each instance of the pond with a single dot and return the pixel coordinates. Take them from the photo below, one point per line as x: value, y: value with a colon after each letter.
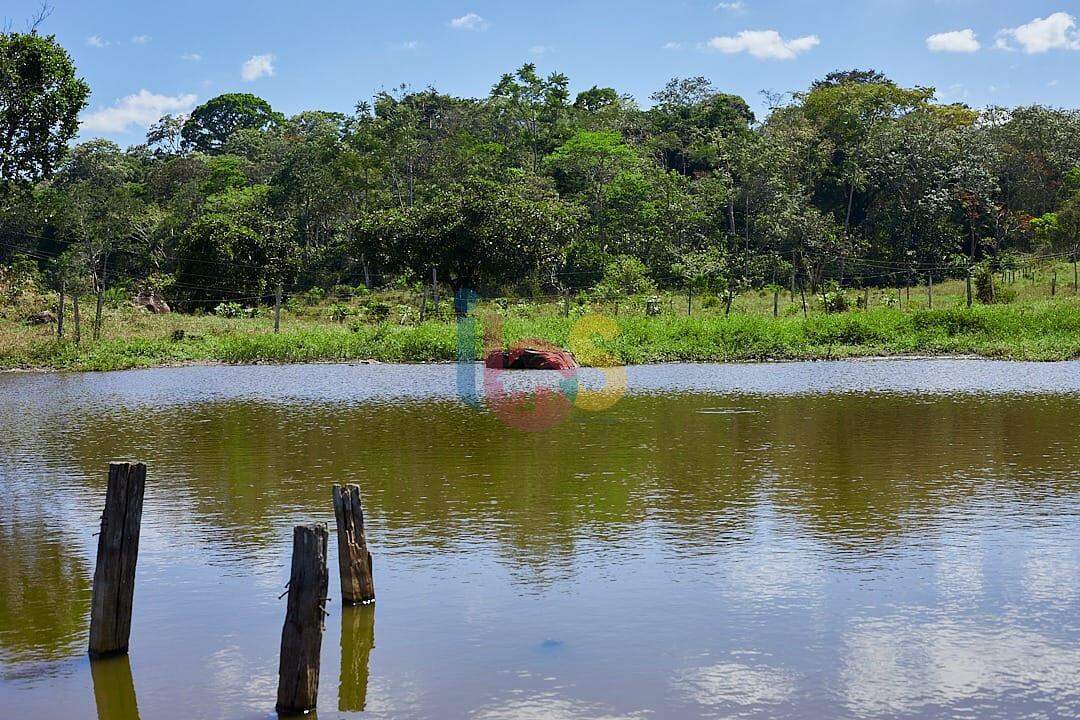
x: 846, y: 539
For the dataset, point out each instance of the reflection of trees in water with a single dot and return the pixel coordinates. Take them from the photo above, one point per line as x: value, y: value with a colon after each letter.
x: 44, y: 588
x: 437, y: 475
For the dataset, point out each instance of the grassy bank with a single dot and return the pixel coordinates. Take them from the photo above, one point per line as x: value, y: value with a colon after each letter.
x: 1031, y: 330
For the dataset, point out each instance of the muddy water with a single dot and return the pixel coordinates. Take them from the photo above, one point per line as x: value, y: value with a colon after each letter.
x: 852, y: 540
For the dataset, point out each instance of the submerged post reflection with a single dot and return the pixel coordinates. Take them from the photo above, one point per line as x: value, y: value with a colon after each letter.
x: 357, y: 640
x: 114, y: 690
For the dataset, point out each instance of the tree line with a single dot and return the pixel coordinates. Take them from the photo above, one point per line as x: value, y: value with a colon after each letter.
x: 531, y: 189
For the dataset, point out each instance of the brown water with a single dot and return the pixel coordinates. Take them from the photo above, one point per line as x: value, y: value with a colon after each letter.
x: 850, y: 540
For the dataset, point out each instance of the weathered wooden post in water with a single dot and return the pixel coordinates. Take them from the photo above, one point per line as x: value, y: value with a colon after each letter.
x: 117, y: 553
x: 354, y: 560
x: 301, y: 636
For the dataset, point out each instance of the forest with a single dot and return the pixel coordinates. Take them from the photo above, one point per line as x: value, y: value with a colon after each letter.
x: 530, y: 193
x: 531, y: 189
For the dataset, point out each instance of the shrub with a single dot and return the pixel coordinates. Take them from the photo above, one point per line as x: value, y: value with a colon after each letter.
x: 229, y: 310
x: 836, y: 300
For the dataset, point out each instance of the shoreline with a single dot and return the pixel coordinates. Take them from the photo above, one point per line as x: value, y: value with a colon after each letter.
x: 900, y: 358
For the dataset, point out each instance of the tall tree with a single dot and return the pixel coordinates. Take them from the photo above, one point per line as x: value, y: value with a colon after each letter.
x: 212, y: 123
x: 40, y: 101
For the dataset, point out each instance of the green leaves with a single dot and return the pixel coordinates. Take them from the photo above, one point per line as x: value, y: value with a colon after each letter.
x: 40, y: 101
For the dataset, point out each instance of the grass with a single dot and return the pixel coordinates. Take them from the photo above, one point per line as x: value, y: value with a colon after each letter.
x: 1033, y: 327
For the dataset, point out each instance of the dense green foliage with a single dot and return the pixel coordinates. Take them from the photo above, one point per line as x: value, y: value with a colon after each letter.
x: 854, y: 181
x: 40, y: 100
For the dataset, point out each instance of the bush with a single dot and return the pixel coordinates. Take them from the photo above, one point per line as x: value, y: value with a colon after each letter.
x: 20, y: 276
x: 984, y: 284
x: 314, y: 296
x: 229, y: 310
x: 836, y: 300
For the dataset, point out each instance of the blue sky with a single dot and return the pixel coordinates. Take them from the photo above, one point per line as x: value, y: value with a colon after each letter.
x: 145, y: 58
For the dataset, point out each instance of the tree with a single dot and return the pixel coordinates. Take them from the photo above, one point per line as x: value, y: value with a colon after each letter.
x: 40, y: 101
x: 167, y: 134
x: 586, y: 163
x: 212, y: 124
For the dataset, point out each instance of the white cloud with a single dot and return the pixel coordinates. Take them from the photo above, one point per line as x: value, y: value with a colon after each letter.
x: 470, y: 21
x: 258, y: 66
x: 141, y: 39
x: 191, y: 57
x: 407, y: 45
x: 956, y: 41
x: 540, y: 49
x: 763, y: 44
x: 673, y: 46
x: 142, y: 110
x: 734, y: 6
x: 1055, y: 32
x: 97, y: 41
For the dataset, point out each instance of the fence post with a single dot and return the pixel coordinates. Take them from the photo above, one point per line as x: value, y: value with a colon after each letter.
x: 930, y: 290
x: 566, y: 304
x: 1053, y: 285
x: 435, y: 288
x: 117, y: 554
x: 60, y: 312
x: 277, y: 308
x: 354, y: 560
x: 866, y: 298
x: 776, y: 302
x: 969, y: 298
x: 75, y: 314
x: 689, y: 300
x: 301, y: 636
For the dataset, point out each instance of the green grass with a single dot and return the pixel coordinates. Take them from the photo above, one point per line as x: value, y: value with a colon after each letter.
x: 1033, y: 330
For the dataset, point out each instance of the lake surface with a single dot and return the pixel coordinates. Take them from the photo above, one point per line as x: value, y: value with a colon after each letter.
x: 807, y: 540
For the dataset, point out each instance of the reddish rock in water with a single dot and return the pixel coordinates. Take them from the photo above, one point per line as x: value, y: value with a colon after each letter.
x: 528, y: 358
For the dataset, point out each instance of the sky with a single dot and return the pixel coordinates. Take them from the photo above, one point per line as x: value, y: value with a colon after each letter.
x: 143, y: 59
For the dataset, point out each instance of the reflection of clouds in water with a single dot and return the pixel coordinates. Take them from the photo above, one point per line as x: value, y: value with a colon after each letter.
x: 735, y: 684
x: 236, y: 679
x: 775, y: 573
x: 1052, y: 574
x: 959, y: 570
x: 547, y: 706
x: 894, y: 665
x: 390, y: 698
x: 781, y: 566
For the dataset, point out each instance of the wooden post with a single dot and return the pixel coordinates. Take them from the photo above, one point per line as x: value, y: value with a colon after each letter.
x: 776, y: 302
x: 435, y: 288
x: 1053, y: 285
x: 357, y: 641
x: 301, y: 636
x: 1076, y: 277
x: 566, y: 304
x: 277, y: 308
x: 354, y: 560
x: 75, y: 313
x: 968, y: 282
x: 60, y: 312
x: 117, y: 553
x: 866, y: 298
x: 802, y: 293
x: 690, y: 300
x: 100, y: 300
x: 930, y: 291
